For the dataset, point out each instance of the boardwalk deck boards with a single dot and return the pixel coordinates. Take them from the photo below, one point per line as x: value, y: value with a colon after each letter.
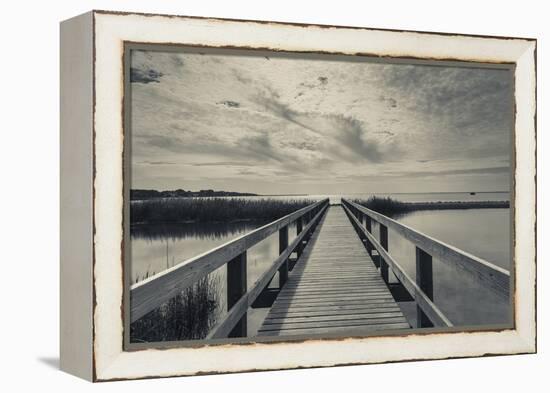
x: 335, y: 288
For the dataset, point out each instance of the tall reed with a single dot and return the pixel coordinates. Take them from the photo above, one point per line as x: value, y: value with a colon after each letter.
x: 174, y: 210
x: 188, y: 316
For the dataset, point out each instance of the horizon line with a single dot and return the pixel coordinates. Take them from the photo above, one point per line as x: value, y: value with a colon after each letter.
x: 342, y: 193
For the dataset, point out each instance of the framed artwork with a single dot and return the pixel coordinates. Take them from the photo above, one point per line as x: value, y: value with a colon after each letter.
x: 246, y: 195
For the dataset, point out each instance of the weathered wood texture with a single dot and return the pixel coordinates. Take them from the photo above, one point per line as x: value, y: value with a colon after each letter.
x: 335, y: 288
x: 147, y: 295
x: 484, y: 272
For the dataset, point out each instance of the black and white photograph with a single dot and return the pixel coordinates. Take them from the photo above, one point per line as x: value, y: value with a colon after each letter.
x: 279, y: 195
x: 257, y: 197
x: 270, y: 197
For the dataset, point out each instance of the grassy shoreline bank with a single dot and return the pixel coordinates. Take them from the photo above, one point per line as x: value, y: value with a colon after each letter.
x: 233, y: 210
x: 391, y: 207
x: 195, y: 210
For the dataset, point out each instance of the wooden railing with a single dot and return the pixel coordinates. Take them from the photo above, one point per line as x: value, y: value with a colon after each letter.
x: 421, y: 289
x: 149, y: 294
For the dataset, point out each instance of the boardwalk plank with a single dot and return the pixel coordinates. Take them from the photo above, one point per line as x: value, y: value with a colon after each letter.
x: 325, y: 289
x: 334, y: 323
x: 328, y: 310
x: 333, y: 295
x: 334, y: 301
x: 347, y: 330
x: 334, y: 317
x: 329, y: 313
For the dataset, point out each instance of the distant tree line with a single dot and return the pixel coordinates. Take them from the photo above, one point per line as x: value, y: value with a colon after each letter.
x: 150, y: 194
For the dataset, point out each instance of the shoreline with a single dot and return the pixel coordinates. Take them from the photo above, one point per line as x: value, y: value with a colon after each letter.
x: 235, y: 221
x: 458, y: 205
x: 392, y: 208
x: 389, y: 208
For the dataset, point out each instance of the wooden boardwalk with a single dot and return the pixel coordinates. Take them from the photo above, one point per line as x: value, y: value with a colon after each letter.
x: 334, y: 288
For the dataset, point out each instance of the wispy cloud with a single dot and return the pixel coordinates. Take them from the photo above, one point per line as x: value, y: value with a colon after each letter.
x: 260, y: 146
x: 466, y: 171
x: 155, y: 163
x: 222, y: 163
x: 352, y: 134
x: 144, y: 76
x: 230, y: 104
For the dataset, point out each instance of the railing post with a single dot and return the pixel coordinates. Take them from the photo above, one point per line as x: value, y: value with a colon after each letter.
x: 236, y: 288
x: 424, y: 280
x: 384, y: 244
x: 298, y: 231
x: 368, y: 226
x: 283, y: 244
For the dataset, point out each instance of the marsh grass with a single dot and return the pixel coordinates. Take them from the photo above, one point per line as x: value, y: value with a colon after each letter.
x: 178, y: 210
x: 190, y: 315
x: 195, y: 230
x: 394, y: 208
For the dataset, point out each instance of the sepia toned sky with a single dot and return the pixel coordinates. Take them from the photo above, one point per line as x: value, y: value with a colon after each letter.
x: 279, y: 125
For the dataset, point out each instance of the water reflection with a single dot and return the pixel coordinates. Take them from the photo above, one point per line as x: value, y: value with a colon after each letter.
x: 157, y: 247
x: 196, y: 230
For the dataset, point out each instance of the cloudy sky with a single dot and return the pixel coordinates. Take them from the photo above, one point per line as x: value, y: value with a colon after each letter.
x: 277, y: 125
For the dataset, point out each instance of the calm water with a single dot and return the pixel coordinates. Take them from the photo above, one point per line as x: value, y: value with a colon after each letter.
x: 482, y: 232
x: 156, y: 247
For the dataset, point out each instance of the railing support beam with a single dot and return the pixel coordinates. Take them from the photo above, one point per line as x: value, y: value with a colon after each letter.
x: 424, y: 280
x: 283, y: 244
x: 299, y: 226
x: 236, y: 288
x: 384, y: 244
x: 368, y: 226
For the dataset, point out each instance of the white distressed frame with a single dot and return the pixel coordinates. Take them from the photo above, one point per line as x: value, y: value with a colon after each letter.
x: 112, y: 30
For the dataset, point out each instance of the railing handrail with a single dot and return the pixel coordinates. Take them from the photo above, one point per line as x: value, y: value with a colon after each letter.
x: 152, y: 292
x: 494, y: 277
x: 435, y: 315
